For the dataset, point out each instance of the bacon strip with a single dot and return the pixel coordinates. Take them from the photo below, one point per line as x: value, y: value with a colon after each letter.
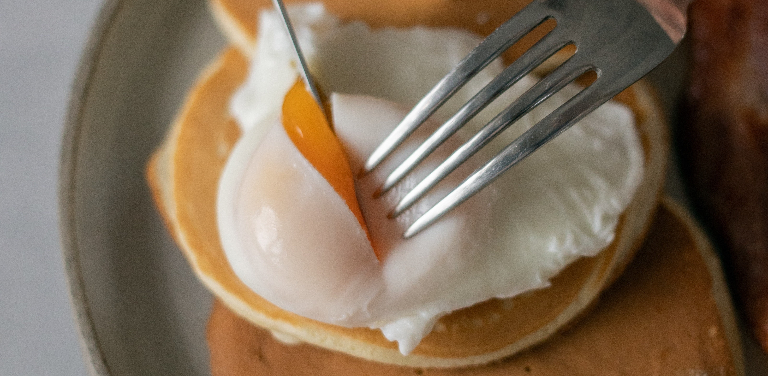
x: 724, y: 141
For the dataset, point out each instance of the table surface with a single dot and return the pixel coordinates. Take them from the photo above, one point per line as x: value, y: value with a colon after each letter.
x: 40, y: 46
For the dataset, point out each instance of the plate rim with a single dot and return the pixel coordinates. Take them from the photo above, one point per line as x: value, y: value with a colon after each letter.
x: 82, y: 83
x: 81, y: 86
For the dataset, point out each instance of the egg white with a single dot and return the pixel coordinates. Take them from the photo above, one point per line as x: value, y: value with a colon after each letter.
x: 292, y: 239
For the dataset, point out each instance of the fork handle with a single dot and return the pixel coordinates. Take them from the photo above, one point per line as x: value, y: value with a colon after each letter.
x: 672, y: 15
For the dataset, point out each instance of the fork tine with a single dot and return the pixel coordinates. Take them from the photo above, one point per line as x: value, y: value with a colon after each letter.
x: 542, y: 132
x: 535, y: 56
x: 552, y: 125
x: 542, y: 90
x: 490, y: 48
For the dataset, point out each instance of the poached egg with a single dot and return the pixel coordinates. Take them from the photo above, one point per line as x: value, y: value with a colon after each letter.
x: 292, y: 238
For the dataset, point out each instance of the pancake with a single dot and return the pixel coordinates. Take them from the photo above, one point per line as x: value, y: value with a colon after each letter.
x: 184, y: 173
x: 238, y: 18
x: 668, y: 314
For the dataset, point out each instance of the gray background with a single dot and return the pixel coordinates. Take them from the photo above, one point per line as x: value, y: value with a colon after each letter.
x: 40, y: 45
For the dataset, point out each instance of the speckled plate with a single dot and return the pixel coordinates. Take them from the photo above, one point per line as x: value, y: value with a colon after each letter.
x: 139, y: 307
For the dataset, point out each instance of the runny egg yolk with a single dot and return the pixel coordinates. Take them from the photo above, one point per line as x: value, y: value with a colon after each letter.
x: 308, y: 128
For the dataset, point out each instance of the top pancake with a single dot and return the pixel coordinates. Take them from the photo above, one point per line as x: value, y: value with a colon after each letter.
x: 238, y: 18
x: 184, y: 177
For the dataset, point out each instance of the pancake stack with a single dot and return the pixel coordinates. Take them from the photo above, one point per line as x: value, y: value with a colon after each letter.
x: 669, y: 311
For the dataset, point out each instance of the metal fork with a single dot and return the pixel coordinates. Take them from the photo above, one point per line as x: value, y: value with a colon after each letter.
x: 620, y: 40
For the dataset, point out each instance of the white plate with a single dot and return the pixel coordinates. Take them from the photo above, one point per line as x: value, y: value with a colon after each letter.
x: 140, y: 309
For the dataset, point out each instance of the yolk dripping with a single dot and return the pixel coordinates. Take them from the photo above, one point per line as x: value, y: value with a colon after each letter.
x: 308, y: 129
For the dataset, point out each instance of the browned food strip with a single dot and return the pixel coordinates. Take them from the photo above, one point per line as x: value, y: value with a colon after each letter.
x: 724, y: 141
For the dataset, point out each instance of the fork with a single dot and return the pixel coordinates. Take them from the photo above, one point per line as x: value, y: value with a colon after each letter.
x: 619, y: 40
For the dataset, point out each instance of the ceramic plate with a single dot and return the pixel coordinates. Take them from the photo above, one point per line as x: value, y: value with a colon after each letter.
x: 139, y: 307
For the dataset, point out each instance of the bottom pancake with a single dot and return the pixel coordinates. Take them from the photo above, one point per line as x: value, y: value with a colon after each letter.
x: 668, y: 314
